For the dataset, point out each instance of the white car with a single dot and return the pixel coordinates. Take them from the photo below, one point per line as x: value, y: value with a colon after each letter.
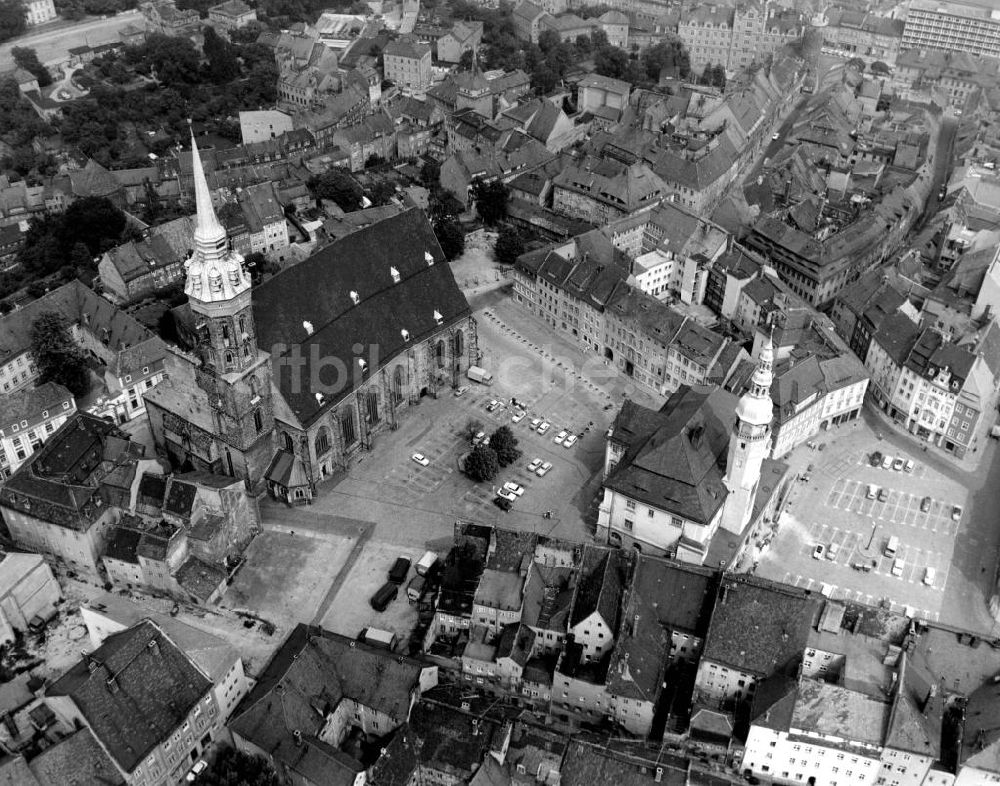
x: 518, y: 416
x: 543, y: 469
x: 462, y: 391
x: 956, y: 513
x: 510, y: 496
x: 421, y: 459
x: 200, y: 766
x: 535, y: 423
x: 493, y: 405
x: 513, y: 488
x: 570, y: 441
x: 929, y: 575
x: 535, y: 464
x: 545, y: 426
x: 775, y: 136
x: 897, y: 567
x: 479, y: 439
x: 819, y: 551
x: 560, y: 437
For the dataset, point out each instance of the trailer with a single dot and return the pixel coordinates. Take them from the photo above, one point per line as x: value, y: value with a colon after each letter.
x: 480, y: 375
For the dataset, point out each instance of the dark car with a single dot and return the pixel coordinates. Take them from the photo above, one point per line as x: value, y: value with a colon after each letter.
x: 387, y: 594
x: 876, y: 460
x: 503, y: 504
x: 925, y: 504
x: 399, y: 569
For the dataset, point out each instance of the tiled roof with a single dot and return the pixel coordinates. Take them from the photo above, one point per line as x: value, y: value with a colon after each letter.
x: 548, y: 596
x: 180, y: 497
x: 600, y: 586
x: 450, y: 740
x: 200, y: 578
x: 516, y: 642
x: 93, y: 180
x: 77, y: 759
x: 30, y: 403
x: 680, y: 597
x: 318, y: 291
x: 123, y: 544
x: 403, y: 47
x: 759, y: 626
x: 499, y: 589
x: 141, y: 690
x: 833, y: 711
x: 14, y: 771
x: 675, y: 457
x: 317, y: 669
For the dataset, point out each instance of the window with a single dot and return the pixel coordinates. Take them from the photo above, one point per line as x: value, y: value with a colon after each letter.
x: 628, y: 525
x: 630, y: 504
x: 258, y: 421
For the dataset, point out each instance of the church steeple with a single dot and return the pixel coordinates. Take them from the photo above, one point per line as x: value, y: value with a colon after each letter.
x: 749, y: 442
x: 214, y: 272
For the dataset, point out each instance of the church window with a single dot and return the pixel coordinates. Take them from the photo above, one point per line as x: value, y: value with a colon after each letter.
x: 243, y: 326
x: 347, y: 426
x: 397, y: 385
x: 371, y: 407
x: 229, y: 358
x: 322, y: 441
x: 258, y: 421
x: 287, y: 439
x: 439, y: 353
x: 225, y: 335
x: 246, y: 350
x: 253, y: 387
x: 459, y: 344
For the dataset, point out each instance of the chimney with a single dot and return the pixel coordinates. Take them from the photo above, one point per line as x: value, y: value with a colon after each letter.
x: 153, y: 646
x: 112, y: 684
x: 297, y: 735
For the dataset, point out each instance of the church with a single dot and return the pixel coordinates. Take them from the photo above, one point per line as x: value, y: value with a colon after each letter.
x: 292, y: 379
x: 693, y: 480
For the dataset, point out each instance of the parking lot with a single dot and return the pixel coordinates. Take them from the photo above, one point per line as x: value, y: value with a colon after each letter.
x: 834, y: 535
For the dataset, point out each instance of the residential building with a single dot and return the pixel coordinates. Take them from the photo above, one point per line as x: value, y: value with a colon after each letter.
x: 265, y: 220
x: 55, y: 503
x: 261, y: 125
x: 727, y: 277
x: 528, y: 19
x: 735, y: 37
x: 78, y: 756
x: 147, y: 703
x: 231, y: 15
x: 596, y: 92
x: 28, y: 592
x: 37, y: 12
x: 318, y: 689
x: 407, y: 64
x: 600, y: 191
x: 28, y: 417
x: 461, y: 38
x: 863, y: 34
x: 952, y: 26
x: 108, y: 614
x: 139, y: 269
x: 163, y: 16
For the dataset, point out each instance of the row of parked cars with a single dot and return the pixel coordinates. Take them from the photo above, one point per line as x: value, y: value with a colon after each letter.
x: 897, y: 463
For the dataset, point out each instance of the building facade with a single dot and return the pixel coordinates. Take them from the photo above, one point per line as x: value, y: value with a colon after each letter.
x: 28, y: 418
x: 952, y: 26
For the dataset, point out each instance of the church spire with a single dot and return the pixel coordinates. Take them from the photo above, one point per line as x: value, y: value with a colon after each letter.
x: 207, y: 226
x: 755, y: 406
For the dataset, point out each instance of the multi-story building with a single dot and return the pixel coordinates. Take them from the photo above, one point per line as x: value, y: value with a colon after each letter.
x: 28, y: 417
x: 140, y: 268
x: 163, y: 16
x: 953, y: 27
x: 265, y: 221
x: 735, y: 37
x: 461, y: 38
x: 600, y: 191
x: 528, y: 19
x: 56, y: 503
x: 407, y: 64
x: 319, y: 688
x: 862, y: 34
x: 29, y: 592
x: 231, y: 15
x: 37, y: 12
x: 146, y: 702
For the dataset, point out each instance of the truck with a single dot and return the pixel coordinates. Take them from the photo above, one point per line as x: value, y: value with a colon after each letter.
x: 380, y: 638
x: 480, y: 375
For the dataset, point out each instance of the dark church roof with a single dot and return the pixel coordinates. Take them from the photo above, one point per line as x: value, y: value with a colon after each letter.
x: 307, y: 310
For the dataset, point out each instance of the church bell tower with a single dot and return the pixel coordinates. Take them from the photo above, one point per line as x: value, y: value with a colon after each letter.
x: 234, y: 372
x: 749, y: 443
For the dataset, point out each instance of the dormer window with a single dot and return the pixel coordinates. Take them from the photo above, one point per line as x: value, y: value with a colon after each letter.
x: 395, y: 275
x: 438, y: 318
x: 354, y: 297
x: 308, y: 327
x: 320, y: 399
x: 45, y: 413
x: 362, y: 365
x: 405, y: 334
x: 428, y: 258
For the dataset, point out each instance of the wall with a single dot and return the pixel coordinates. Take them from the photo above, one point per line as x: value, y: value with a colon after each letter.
x: 79, y: 550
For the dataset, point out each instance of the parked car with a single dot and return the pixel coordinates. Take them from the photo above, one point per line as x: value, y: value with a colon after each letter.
x: 876, y: 459
x: 493, y: 406
x: 543, y: 469
x: 832, y: 551
x: 462, y: 391
x: 929, y: 575
x: 886, y: 462
x: 545, y: 426
x: 883, y: 495
x: 535, y: 423
x: 819, y: 551
x: 570, y: 441
x: 504, y: 504
x: 386, y: 594
x: 199, y: 767
x: 872, y: 492
x: 897, y: 566
x: 514, y: 488
x: 518, y: 416
x: 535, y: 464
x: 421, y: 459
x: 480, y: 439
x: 560, y: 437
x: 505, y: 493
x: 925, y: 504
x: 956, y: 513
x: 898, y: 463
x: 908, y: 466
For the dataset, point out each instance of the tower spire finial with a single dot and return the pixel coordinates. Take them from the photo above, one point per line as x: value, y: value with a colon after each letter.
x: 207, y: 226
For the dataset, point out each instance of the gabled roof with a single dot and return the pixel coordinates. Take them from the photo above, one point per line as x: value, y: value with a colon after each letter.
x: 306, y: 679
x: 600, y: 586
x: 134, y: 691
x: 29, y: 403
x: 77, y: 759
x: 675, y: 458
x: 318, y: 291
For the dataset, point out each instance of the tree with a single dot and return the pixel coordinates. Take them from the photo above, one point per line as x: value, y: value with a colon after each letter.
x: 222, y: 65
x: 450, y: 237
x: 491, y: 200
x: 382, y: 192
x: 611, y: 61
x: 337, y: 186
x: 482, y: 464
x: 857, y: 64
x: 12, y: 22
x: 236, y: 768
x: 27, y: 58
x: 510, y: 245
x: 430, y: 174
x: 504, y: 444
x: 56, y: 357
x: 93, y: 221
x: 880, y: 69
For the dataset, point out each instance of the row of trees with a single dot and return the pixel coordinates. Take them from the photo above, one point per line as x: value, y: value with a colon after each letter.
x: 87, y: 228
x: 27, y: 58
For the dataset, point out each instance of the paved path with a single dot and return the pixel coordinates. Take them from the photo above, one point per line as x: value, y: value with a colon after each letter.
x: 342, y: 574
x: 53, y: 42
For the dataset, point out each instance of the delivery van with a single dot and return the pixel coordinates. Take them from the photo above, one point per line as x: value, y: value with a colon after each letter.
x: 426, y: 563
